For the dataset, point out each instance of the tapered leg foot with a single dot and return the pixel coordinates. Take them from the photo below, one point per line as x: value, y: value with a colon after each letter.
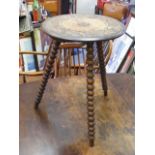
x: 91, y: 142
x: 90, y: 95
x: 102, y: 68
x: 105, y: 93
x: 53, y: 51
x: 36, y: 106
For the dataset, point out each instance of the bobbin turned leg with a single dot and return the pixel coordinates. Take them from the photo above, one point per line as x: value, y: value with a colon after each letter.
x: 53, y: 51
x: 90, y: 94
x: 102, y: 67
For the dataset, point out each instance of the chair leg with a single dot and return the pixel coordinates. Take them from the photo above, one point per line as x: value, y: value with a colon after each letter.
x: 90, y: 94
x: 53, y: 51
x: 102, y: 68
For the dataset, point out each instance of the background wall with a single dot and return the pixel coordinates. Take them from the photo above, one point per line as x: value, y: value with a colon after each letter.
x: 86, y: 6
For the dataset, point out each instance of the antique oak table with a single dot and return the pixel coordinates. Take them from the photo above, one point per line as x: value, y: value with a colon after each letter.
x: 87, y: 29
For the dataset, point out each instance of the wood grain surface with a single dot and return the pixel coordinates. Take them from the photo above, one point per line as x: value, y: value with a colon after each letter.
x: 59, y: 127
x: 76, y: 27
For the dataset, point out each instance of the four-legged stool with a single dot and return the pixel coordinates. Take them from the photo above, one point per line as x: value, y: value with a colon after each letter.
x: 87, y: 29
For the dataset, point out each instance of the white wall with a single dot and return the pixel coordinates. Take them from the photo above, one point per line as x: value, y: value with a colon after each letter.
x: 86, y: 6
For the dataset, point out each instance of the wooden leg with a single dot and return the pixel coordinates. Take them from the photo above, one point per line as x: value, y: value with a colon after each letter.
x: 53, y: 51
x: 90, y: 94
x: 24, y: 79
x: 102, y: 67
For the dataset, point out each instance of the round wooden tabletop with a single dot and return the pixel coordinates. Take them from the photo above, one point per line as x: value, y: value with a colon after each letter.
x: 76, y: 27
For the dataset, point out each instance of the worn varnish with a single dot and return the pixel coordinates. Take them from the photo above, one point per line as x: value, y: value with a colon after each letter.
x: 85, y: 28
x: 59, y: 127
x: 90, y: 95
x: 47, y: 71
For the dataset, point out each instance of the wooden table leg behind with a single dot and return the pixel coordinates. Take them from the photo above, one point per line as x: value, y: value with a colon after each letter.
x: 102, y: 67
x: 90, y: 94
x: 53, y: 51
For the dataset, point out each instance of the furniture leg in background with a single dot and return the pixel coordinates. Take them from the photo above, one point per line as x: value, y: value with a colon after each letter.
x: 53, y: 51
x: 102, y: 67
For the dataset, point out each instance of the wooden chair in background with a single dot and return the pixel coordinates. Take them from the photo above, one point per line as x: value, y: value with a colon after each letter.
x: 69, y: 67
x: 24, y: 73
x: 65, y: 64
x: 117, y: 10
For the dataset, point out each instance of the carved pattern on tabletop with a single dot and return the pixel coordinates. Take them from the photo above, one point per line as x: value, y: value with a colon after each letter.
x: 83, y: 27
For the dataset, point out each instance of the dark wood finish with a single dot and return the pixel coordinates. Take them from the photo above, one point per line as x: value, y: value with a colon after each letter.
x: 83, y: 28
x: 53, y: 51
x: 23, y: 68
x: 90, y: 94
x: 59, y: 126
x: 102, y: 67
